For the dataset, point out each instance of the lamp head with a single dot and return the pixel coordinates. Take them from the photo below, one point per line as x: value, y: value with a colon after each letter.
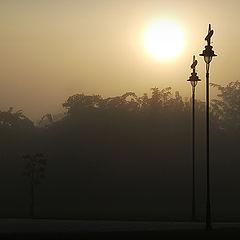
x: 194, y: 79
x: 208, y: 53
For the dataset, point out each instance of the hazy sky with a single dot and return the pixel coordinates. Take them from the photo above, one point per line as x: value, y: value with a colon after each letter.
x: 52, y: 49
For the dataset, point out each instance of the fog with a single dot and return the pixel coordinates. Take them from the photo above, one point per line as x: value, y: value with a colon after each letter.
x: 53, y: 49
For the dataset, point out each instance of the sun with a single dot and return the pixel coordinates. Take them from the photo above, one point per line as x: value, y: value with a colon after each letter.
x: 164, y: 40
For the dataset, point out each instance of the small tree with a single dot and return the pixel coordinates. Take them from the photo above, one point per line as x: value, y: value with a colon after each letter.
x: 34, y: 170
x: 226, y: 108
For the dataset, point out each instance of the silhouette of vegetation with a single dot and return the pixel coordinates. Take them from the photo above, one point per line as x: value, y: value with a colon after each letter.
x: 34, y: 170
x: 227, y: 107
x: 10, y: 119
x: 124, y: 157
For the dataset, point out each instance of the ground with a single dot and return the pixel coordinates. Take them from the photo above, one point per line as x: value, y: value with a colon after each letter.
x: 75, y: 229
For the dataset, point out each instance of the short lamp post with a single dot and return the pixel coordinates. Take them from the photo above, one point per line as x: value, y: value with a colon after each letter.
x: 208, y: 54
x: 193, y: 80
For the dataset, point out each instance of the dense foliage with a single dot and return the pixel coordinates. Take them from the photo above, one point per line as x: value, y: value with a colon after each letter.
x: 124, y: 157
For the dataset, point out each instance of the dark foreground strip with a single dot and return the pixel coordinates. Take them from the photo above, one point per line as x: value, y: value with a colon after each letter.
x: 173, y: 234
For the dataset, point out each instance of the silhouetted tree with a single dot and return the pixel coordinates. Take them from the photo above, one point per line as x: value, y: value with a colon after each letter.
x: 34, y: 170
x: 227, y: 107
x: 46, y: 120
x: 80, y: 101
x: 10, y: 119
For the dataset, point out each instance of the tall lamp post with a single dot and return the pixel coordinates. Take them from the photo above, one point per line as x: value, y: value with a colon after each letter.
x: 208, y: 54
x: 193, y: 80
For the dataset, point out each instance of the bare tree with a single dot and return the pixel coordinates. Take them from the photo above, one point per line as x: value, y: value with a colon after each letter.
x: 34, y: 170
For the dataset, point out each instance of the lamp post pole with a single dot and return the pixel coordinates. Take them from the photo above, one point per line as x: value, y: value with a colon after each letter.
x: 193, y: 157
x: 208, y: 53
x: 208, y: 204
x: 193, y: 80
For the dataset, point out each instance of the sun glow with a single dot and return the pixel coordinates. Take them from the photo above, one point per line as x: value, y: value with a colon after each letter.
x: 164, y: 40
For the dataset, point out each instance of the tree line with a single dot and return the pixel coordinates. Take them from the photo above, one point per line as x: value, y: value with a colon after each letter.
x: 123, y: 157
